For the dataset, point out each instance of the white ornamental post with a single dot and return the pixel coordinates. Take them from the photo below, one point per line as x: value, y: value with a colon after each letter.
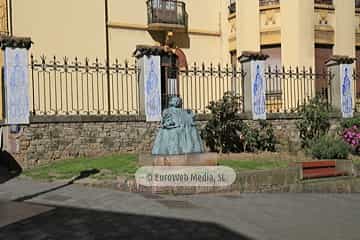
x: 341, y: 83
x: 149, y: 83
x: 253, y: 64
x: 16, y: 80
x: 16, y: 86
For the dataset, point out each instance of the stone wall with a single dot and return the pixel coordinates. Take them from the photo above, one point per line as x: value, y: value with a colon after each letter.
x: 41, y: 143
x: 50, y: 138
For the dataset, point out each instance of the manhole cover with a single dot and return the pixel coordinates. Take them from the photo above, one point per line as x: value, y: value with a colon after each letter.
x: 177, y: 204
x: 56, y: 198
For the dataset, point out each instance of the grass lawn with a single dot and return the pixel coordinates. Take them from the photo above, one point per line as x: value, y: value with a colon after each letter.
x: 126, y: 165
x: 260, y: 161
x: 239, y: 165
x: 109, y: 167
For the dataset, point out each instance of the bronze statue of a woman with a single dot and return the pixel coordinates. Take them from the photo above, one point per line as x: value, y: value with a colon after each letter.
x: 178, y: 133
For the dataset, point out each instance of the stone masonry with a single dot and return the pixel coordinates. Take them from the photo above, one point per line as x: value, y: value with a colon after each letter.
x: 45, y: 141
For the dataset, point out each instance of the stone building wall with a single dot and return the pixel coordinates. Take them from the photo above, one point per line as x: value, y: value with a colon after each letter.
x: 49, y: 138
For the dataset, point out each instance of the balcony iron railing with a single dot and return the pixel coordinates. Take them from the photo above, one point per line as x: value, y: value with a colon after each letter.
x: 166, y: 12
x: 276, y: 2
x: 324, y: 2
x: 232, y: 7
x: 269, y: 2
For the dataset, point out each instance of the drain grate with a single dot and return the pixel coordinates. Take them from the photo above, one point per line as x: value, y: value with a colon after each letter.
x: 177, y: 204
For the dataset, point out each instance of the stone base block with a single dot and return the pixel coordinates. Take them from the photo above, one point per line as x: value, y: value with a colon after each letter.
x: 196, y: 159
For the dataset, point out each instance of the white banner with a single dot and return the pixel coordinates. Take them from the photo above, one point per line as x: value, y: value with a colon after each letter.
x: 152, y: 86
x: 346, y: 90
x: 16, y: 85
x: 258, y: 90
x: 185, y: 176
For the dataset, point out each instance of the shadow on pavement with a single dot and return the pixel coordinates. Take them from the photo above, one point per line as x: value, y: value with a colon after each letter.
x: 83, y: 174
x: 9, y: 168
x: 74, y: 223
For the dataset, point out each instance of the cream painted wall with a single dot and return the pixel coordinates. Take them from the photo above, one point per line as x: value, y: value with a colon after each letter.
x: 203, y: 49
x: 248, y: 26
x: 204, y: 16
x: 123, y: 42
x: 66, y: 27
x: 225, y: 28
x: 297, y: 32
x: 77, y: 28
x: 345, y: 27
x: 133, y: 11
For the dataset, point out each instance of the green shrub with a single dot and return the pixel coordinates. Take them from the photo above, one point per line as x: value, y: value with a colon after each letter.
x: 225, y: 132
x: 350, y: 122
x: 266, y: 139
x: 314, y: 121
x: 328, y: 147
x: 221, y: 133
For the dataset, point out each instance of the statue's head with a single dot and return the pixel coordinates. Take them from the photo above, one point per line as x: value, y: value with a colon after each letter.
x: 175, y: 101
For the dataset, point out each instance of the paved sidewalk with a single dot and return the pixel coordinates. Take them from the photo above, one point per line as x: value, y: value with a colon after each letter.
x: 77, y: 212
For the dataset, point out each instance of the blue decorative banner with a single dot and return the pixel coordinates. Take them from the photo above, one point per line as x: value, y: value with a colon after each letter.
x: 258, y: 90
x: 346, y: 91
x: 152, y: 86
x: 16, y: 85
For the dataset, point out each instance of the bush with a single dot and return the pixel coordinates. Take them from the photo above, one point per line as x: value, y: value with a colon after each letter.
x: 314, y: 121
x: 266, y: 139
x: 328, y: 147
x: 225, y: 132
x: 352, y: 137
x: 350, y: 122
x: 221, y: 133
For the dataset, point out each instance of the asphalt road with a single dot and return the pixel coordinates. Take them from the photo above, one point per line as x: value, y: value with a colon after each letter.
x: 31, y: 210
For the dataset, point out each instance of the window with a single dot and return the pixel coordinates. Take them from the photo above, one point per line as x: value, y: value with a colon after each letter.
x: 233, y: 58
x: 232, y: 6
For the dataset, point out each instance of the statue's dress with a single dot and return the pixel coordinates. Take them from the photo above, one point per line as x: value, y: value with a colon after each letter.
x: 178, y: 134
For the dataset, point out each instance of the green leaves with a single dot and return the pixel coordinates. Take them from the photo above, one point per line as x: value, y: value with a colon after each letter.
x: 314, y: 121
x: 329, y: 147
x: 225, y: 132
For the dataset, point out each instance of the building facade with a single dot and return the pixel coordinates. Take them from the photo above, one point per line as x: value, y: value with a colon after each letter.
x: 292, y: 32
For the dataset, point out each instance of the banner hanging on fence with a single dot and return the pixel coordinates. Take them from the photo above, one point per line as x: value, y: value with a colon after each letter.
x: 16, y: 85
x: 346, y: 90
x: 258, y: 90
x: 152, y: 86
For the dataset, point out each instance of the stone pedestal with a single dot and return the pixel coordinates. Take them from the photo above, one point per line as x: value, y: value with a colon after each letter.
x: 196, y: 159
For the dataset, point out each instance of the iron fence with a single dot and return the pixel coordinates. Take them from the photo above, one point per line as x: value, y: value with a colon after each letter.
x: 356, y: 87
x: 64, y: 87
x: 199, y: 85
x: 287, y: 89
x: 81, y: 88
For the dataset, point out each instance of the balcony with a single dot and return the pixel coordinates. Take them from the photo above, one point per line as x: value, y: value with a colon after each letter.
x: 232, y: 7
x: 166, y: 15
x: 268, y: 2
x: 277, y: 2
x: 324, y: 2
